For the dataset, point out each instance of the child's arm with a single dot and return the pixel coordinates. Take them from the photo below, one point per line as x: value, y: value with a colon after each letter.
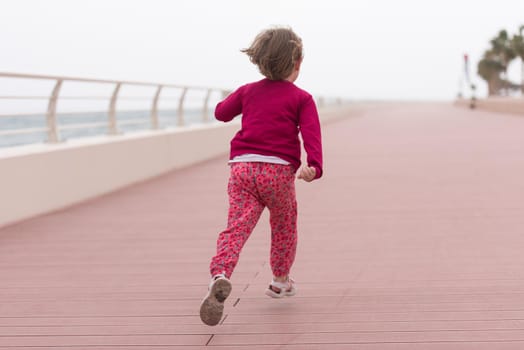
x: 310, y: 130
x: 230, y: 107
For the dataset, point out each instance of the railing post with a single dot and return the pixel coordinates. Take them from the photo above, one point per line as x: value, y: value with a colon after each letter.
x: 112, y: 130
x: 205, y: 111
x: 52, y: 130
x: 225, y: 93
x: 154, y: 108
x: 181, y: 107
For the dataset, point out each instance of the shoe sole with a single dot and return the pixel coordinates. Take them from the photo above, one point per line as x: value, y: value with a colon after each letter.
x: 212, y: 306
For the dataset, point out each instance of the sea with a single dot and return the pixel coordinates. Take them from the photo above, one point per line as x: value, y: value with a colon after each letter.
x: 166, y: 119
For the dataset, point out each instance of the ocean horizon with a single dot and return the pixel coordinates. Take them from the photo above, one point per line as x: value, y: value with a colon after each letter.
x: 166, y: 119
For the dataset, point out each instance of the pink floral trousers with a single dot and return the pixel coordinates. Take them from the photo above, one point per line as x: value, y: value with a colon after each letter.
x: 252, y: 187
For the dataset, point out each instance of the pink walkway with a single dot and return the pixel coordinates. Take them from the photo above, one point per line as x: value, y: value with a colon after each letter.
x: 413, y: 240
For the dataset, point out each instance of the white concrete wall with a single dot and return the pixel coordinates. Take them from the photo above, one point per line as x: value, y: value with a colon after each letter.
x: 41, y: 178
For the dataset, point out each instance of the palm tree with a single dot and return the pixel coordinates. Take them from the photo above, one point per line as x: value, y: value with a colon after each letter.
x: 502, y: 48
x: 517, y: 44
x: 489, y: 69
x: 493, y: 66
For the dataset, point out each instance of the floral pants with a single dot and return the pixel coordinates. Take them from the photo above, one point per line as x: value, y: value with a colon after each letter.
x: 252, y: 187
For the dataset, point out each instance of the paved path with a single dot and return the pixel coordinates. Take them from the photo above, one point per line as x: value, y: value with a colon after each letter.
x: 412, y: 240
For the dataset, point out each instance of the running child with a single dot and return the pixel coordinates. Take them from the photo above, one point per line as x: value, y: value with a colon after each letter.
x: 264, y: 159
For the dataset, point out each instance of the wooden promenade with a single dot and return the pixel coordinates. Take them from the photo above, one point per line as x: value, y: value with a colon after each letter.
x: 414, y: 239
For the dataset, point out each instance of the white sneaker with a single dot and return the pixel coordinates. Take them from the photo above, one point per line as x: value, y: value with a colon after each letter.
x: 281, y: 289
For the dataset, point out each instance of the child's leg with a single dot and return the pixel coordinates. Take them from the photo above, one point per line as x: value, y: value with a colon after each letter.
x: 283, y: 241
x: 280, y: 199
x: 245, y: 209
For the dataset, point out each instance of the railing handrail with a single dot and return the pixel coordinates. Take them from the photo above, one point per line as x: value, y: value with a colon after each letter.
x: 103, y: 81
x: 53, y: 128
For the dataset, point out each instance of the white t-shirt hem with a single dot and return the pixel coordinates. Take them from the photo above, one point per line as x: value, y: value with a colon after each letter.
x: 251, y: 157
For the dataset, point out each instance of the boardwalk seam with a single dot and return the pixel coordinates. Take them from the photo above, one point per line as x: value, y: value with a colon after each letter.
x: 209, y: 340
x: 224, y: 319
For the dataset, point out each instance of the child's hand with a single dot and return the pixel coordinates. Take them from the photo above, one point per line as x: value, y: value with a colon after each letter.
x: 307, y: 173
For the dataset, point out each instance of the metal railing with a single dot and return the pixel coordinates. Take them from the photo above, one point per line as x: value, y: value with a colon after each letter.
x: 52, y: 127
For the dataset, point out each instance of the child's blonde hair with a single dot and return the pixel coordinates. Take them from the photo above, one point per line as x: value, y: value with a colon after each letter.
x: 276, y: 51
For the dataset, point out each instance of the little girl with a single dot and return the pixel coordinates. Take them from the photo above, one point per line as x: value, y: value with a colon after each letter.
x: 264, y: 157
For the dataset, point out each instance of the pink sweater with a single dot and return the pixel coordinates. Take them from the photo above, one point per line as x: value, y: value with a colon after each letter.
x: 273, y: 113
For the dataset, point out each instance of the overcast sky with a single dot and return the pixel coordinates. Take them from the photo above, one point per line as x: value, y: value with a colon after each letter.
x: 382, y: 49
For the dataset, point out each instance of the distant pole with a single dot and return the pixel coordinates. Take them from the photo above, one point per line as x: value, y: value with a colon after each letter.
x: 472, y: 86
x: 460, y: 87
x: 466, y: 68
